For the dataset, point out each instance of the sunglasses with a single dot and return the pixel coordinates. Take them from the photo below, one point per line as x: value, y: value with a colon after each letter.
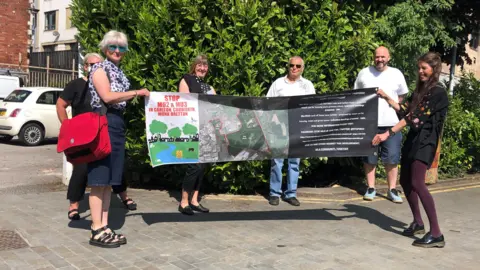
x: 292, y: 65
x: 121, y: 49
x: 91, y: 64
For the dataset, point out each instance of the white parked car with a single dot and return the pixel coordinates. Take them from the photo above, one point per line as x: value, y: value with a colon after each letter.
x: 30, y: 113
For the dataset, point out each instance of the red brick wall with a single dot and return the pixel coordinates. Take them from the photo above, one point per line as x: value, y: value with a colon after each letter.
x: 14, y: 36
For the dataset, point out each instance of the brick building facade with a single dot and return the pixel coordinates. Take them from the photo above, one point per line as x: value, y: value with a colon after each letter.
x: 15, y: 34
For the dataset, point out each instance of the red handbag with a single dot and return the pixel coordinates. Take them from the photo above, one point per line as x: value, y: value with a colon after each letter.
x: 84, y: 138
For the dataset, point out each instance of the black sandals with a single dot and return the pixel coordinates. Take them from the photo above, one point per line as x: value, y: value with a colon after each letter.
x: 103, y: 238
x: 120, y: 237
x: 75, y: 216
x: 130, y: 206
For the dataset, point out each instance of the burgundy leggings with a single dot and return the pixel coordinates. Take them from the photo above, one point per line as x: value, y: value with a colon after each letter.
x: 412, y: 179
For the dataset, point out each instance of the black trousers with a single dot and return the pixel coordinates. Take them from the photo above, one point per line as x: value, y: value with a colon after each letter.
x: 193, y: 177
x: 78, y: 184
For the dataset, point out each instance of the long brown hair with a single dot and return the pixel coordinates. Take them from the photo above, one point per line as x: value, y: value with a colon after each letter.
x: 435, y: 62
x: 200, y: 59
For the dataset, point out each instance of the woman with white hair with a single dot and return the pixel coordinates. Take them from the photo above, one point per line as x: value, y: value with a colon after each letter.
x: 108, y: 87
x: 76, y: 95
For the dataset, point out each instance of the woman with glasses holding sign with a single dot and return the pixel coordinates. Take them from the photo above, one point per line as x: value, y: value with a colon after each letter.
x: 424, y: 112
x: 193, y: 83
x: 108, y: 87
x: 75, y: 96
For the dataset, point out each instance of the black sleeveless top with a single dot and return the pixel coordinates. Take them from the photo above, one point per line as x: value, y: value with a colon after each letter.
x: 195, y: 84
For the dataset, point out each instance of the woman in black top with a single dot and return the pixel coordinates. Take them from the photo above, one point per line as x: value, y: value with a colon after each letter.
x: 193, y: 83
x: 424, y: 111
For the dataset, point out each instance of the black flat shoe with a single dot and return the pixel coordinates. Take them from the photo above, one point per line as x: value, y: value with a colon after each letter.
x: 187, y: 210
x: 293, y: 201
x: 414, y: 229
x: 428, y: 241
x: 274, y: 200
x: 199, y: 208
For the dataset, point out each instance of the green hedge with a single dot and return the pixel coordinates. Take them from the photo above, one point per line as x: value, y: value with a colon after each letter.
x: 461, y: 142
x: 248, y: 43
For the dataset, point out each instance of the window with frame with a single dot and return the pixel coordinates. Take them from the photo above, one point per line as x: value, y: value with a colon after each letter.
x: 51, y: 20
x: 48, y: 98
x: 68, y: 23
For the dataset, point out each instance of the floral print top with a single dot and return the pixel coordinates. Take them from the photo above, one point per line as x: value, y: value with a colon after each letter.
x: 118, y: 83
x: 426, y: 124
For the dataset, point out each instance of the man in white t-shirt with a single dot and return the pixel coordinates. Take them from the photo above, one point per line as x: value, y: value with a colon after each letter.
x: 293, y: 84
x: 392, y: 82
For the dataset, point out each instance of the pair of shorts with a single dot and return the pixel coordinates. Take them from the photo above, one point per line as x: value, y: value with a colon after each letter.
x: 109, y: 171
x: 389, y: 151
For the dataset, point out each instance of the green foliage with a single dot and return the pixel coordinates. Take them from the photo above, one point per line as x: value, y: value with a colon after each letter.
x: 468, y: 91
x: 461, y: 142
x: 248, y: 44
x: 410, y: 28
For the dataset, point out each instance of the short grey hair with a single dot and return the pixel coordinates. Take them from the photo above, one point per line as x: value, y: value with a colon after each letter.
x: 88, y: 55
x: 113, y: 37
x: 297, y: 57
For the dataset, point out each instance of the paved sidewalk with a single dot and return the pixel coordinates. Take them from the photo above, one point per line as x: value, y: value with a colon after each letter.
x: 241, y: 233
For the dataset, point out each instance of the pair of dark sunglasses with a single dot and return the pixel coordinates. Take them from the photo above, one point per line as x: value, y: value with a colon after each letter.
x: 121, y: 49
x: 292, y: 65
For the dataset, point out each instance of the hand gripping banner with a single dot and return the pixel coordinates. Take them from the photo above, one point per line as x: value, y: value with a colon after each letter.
x: 193, y: 128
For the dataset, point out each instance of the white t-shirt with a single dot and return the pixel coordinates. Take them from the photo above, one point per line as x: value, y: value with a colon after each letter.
x: 281, y: 87
x: 392, y: 82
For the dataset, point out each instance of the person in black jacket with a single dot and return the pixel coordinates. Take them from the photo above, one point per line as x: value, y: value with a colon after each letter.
x: 424, y: 112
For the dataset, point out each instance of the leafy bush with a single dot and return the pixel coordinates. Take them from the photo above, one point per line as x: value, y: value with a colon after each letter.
x: 248, y: 44
x: 461, y: 145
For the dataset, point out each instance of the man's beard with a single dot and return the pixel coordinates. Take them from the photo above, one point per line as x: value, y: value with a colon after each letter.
x: 381, y: 65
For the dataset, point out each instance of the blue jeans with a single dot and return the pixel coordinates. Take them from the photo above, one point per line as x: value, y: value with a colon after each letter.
x: 292, y: 177
x: 388, y: 151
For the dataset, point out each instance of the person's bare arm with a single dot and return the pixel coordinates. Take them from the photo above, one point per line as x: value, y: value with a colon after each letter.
x: 183, y: 87
x: 102, y: 85
x: 384, y: 136
x: 391, y: 102
x: 62, y: 109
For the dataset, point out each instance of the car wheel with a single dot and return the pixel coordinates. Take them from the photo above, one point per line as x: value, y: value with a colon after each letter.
x: 5, y: 138
x: 31, y: 134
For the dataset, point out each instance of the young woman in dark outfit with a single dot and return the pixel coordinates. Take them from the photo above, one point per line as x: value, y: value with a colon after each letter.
x: 193, y: 83
x: 425, y: 113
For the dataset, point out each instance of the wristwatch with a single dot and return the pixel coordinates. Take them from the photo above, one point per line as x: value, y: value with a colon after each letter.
x: 390, y: 132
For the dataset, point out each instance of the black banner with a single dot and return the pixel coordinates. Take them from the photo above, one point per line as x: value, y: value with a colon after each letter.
x: 192, y: 128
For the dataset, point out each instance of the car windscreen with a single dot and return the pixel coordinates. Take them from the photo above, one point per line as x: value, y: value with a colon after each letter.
x: 17, y: 96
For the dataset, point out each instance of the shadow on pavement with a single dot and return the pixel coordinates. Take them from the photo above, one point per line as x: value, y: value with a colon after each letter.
x: 374, y: 217
x: 116, y: 217
x: 371, y: 215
